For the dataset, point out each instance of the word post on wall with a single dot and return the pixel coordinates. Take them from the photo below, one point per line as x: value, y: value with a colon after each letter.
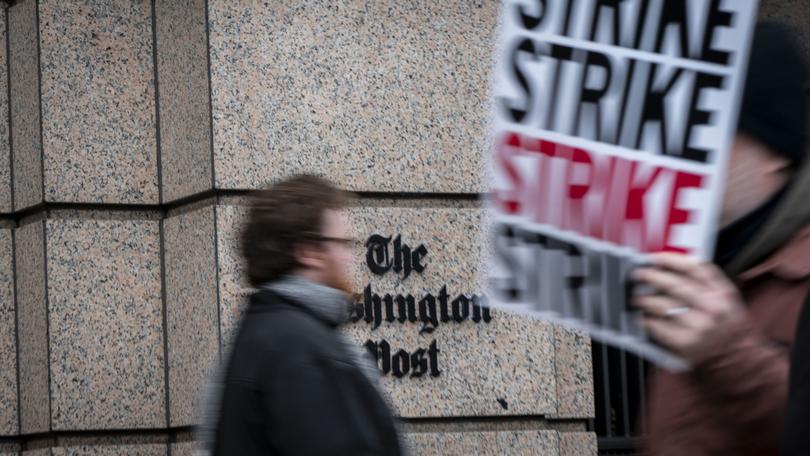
x: 612, y: 123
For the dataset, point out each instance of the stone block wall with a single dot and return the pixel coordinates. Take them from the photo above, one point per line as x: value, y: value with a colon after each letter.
x: 131, y: 132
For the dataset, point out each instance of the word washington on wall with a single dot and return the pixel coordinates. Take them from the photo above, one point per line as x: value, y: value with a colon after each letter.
x: 426, y: 311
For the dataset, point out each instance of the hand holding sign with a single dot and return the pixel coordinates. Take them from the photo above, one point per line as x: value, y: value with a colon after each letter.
x: 612, y: 123
x: 694, y: 307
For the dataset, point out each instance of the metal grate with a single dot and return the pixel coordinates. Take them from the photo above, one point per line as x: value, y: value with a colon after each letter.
x: 619, y: 383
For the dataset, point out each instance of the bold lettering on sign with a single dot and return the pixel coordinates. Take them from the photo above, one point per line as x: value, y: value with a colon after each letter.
x: 698, y: 117
x: 611, y: 202
x: 518, y: 109
x: 613, y: 7
x: 677, y: 215
x: 674, y: 15
x: 611, y: 122
x: 716, y: 19
x: 531, y: 21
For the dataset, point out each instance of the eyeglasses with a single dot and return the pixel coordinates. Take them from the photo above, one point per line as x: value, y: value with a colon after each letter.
x: 346, y: 242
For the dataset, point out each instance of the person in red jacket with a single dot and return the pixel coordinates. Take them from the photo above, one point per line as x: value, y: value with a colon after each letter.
x: 734, y: 320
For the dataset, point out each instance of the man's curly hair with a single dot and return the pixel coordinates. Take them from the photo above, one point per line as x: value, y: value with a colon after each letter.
x: 282, y: 216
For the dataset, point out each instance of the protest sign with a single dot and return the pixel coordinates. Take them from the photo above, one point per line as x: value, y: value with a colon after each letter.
x: 611, y: 128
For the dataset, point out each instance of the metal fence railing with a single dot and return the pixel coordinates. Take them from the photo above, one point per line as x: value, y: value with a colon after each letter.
x: 619, y: 384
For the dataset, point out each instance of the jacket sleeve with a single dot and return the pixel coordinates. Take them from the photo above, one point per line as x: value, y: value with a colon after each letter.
x: 746, y: 379
x: 797, y: 424
x: 315, y: 409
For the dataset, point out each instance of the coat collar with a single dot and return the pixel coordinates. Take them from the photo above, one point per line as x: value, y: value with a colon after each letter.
x: 327, y: 303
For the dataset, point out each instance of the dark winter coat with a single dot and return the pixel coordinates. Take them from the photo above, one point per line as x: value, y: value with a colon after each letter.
x: 292, y: 388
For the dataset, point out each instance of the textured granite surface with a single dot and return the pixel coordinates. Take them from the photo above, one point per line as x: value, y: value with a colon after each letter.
x: 504, y: 367
x: 183, y: 449
x: 191, y: 309
x: 174, y: 211
x: 380, y: 96
x: 32, y: 328
x: 24, y: 82
x: 540, y: 443
x: 98, y: 101
x: 38, y: 452
x: 9, y: 449
x: 574, y: 374
x: 185, y: 122
x: 500, y: 368
x: 117, y: 214
x: 146, y: 444
x: 5, y: 149
x: 578, y: 444
x: 106, y: 327
x: 112, y: 450
x: 493, y: 424
x: 111, y: 440
x: 8, y: 338
x: 233, y: 288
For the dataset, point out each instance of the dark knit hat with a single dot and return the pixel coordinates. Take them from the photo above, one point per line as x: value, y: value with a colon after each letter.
x: 774, y: 105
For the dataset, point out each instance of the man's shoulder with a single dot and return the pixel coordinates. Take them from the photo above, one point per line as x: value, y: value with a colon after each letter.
x: 273, y: 334
x: 273, y: 322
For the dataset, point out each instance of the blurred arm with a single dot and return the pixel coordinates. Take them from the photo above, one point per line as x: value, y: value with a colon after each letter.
x: 746, y: 377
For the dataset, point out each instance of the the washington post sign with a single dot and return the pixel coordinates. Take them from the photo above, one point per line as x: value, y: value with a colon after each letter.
x: 612, y: 125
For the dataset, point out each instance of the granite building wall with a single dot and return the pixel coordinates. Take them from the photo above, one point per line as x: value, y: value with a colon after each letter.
x: 131, y: 132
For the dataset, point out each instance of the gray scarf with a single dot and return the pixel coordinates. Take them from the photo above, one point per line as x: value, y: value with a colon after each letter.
x: 333, y: 306
x: 328, y: 303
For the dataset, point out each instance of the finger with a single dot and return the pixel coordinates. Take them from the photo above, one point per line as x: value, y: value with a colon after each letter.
x: 695, y: 320
x: 706, y: 273
x: 714, y: 289
x: 719, y: 292
x: 674, y: 261
x: 662, y: 307
x: 670, y: 283
x: 658, y: 306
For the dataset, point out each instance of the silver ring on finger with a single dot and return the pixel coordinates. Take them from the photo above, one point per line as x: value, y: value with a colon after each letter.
x: 674, y: 311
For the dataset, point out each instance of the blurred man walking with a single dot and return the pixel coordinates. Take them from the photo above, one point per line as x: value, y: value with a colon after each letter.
x: 293, y: 384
